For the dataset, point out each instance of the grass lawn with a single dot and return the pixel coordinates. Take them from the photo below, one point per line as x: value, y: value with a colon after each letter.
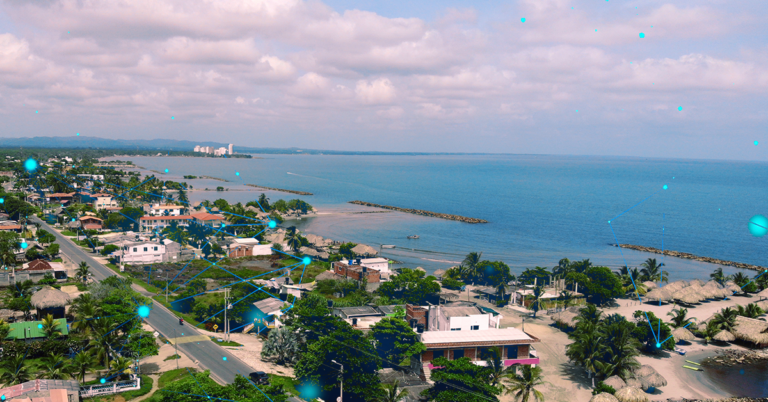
x: 224, y: 343
x: 173, y: 375
x: 57, y: 260
x: 68, y: 233
x: 288, y: 383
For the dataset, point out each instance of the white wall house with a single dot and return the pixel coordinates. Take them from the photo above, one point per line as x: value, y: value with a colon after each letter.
x: 248, y: 246
x: 160, y: 210
x: 141, y: 253
x: 104, y: 201
x: 442, y: 318
x: 379, y: 264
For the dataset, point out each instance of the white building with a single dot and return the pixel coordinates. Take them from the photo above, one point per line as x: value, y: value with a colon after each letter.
x: 230, y: 149
x: 141, y: 253
x: 247, y: 247
x: 104, y: 201
x: 379, y: 264
x: 460, y: 318
x: 160, y: 210
x: 197, y: 148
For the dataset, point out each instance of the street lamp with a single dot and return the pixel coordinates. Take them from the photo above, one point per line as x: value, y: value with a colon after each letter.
x: 341, y: 394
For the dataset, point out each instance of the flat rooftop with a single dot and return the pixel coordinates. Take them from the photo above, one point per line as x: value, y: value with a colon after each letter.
x: 432, y: 339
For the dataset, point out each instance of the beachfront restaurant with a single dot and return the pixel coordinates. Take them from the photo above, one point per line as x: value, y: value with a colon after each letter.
x: 516, y: 347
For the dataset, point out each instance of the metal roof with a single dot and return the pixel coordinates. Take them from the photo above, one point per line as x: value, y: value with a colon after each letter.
x: 349, y: 312
x: 29, y: 329
x: 460, y: 311
x: 387, y: 310
x: 270, y: 305
x: 486, y: 335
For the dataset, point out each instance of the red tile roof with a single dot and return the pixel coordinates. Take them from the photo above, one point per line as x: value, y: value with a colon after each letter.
x: 205, y: 216
x: 10, y: 227
x: 39, y: 265
x: 160, y: 217
x: 88, y: 217
x: 60, y: 195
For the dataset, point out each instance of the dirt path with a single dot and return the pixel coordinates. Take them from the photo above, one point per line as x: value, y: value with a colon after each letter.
x: 155, y: 380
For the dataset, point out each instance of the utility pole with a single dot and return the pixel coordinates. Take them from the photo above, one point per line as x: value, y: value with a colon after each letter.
x: 166, y: 286
x: 341, y: 389
x: 226, y: 307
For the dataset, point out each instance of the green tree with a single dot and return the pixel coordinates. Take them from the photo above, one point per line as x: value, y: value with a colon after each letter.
x: 710, y: 330
x: 346, y: 250
x: 52, y: 250
x: 392, y: 392
x: 83, y: 271
x: 460, y: 380
x: 680, y: 317
x: 395, y: 342
x: 51, y: 327
x: 648, y: 336
x: 751, y: 311
x: 538, y: 275
x: 652, y: 271
x: 726, y: 319
x: 109, y: 249
x: 283, y: 345
x: 350, y: 348
x: 293, y: 240
x: 32, y: 254
x: 55, y: 367
x: 411, y: 286
x: 523, y: 386
x: 9, y: 245
x: 599, y: 284
x: 471, y: 265
x: 719, y: 277
x: 537, y: 301
x: 5, y: 329
x: 312, y: 318
x: 15, y: 370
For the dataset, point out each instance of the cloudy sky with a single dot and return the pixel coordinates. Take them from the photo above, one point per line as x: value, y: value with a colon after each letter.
x: 532, y: 76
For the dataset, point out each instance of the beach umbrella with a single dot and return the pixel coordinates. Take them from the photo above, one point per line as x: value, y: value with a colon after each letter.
x: 683, y: 334
x: 615, y: 381
x: 631, y: 394
x: 763, y: 293
x: 644, y: 371
x: 734, y: 288
x: 660, y: 294
x: 603, y: 397
x: 689, y: 298
x: 650, y: 285
x: 653, y: 381
x: 697, y: 282
x: 724, y: 336
x: 751, y: 330
x: 633, y: 382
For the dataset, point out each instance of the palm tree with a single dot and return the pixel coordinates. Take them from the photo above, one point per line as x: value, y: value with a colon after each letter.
x: 82, y: 363
x: 719, y: 277
x: 523, y: 385
x: 652, y: 271
x: 567, y: 298
x: 587, y: 348
x: 120, y: 367
x: 102, y: 339
x: 537, y: 302
x: 83, y: 271
x: 726, y: 319
x: 581, y: 266
x: 83, y: 309
x: 679, y: 318
x: 51, y: 327
x: 392, y: 392
x: 471, y: 262
x: 15, y: 370
x: 710, y: 331
x: 740, y: 279
x: 54, y: 367
x: 293, y: 240
x: 751, y: 311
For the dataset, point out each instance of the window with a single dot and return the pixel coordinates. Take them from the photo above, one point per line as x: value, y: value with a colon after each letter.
x: 455, y: 329
x: 475, y: 327
x: 458, y: 354
x: 438, y: 353
x: 155, y: 248
x: 145, y: 249
x: 134, y: 249
x: 511, y: 352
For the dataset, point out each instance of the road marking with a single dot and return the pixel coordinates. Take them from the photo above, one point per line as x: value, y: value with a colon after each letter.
x: 188, y: 339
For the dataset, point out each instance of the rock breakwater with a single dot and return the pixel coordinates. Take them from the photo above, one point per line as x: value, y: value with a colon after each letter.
x: 421, y: 212
x: 280, y: 189
x: 689, y: 256
x: 730, y: 357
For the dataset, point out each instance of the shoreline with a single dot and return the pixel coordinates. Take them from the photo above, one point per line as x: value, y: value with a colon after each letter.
x: 689, y: 256
x: 421, y: 212
x: 280, y: 189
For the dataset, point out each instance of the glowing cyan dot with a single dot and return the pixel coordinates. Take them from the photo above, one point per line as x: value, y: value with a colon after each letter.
x: 642, y: 35
x: 73, y: 219
x: 30, y: 164
x: 40, y: 326
x: 272, y: 224
x: 522, y: 19
x: 103, y: 381
x: 680, y: 108
x: 306, y: 260
x: 577, y: 110
x: 665, y: 187
x: 2, y: 397
x: 755, y: 142
x: 166, y: 170
x: 2, y: 200
x: 758, y: 226
x: 224, y: 358
x: 741, y: 371
x: 223, y: 224
x: 36, y: 111
x: 144, y: 311
x: 658, y: 345
x: 24, y: 244
x: 172, y: 118
x: 78, y: 134
x: 237, y: 173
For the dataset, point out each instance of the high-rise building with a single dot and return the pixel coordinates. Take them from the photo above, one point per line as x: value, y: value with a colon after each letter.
x: 197, y: 148
x: 230, y: 149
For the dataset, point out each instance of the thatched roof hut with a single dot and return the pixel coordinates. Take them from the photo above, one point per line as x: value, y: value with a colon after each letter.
x: 724, y: 336
x: 675, y: 286
x: 420, y: 269
x: 644, y: 371
x: 615, y: 381
x: 650, y: 285
x: 696, y: 282
x: 362, y: 249
x: 439, y: 273
x: 733, y: 287
x: 48, y: 297
x: 603, y: 397
x: 653, y: 381
x: 634, y: 382
x: 565, y: 318
x: 687, y: 298
x: 631, y: 394
x: 683, y: 334
x: 751, y: 330
x: 659, y: 294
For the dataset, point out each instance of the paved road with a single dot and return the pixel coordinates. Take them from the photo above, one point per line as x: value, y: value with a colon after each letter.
x: 208, y: 354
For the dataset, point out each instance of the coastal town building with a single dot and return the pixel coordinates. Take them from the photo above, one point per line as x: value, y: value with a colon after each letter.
x: 456, y: 317
x: 43, y: 390
x: 356, y: 272
x: 268, y: 313
x: 163, y: 210
x: 149, y: 223
x: 34, y: 271
x: 90, y: 223
x: 104, y: 201
x: 140, y: 253
x: 221, y: 151
x: 204, y: 218
x: 63, y: 198
x: 515, y: 345
x: 238, y: 249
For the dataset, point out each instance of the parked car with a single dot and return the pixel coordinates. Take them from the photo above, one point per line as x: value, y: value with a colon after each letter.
x: 259, y: 377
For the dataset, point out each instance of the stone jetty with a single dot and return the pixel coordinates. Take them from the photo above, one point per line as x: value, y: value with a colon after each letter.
x: 280, y: 189
x: 688, y: 256
x: 422, y: 212
x: 213, y: 178
x: 731, y: 357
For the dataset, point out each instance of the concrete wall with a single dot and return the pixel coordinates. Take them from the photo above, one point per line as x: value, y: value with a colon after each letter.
x: 466, y: 323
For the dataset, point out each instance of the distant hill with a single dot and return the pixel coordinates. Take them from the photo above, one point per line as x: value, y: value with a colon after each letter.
x: 177, y: 145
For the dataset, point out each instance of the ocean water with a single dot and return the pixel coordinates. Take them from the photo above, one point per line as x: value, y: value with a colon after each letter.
x: 540, y: 208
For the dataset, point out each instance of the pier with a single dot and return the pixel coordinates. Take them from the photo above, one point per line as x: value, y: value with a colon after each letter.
x: 422, y: 212
x: 280, y: 189
x: 689, y: 256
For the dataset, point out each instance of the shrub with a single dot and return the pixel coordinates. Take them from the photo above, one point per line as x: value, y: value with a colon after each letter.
x: 450, y: 283
x: 601, y: 387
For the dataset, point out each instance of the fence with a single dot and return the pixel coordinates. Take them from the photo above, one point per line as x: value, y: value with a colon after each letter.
x: 110, y: 388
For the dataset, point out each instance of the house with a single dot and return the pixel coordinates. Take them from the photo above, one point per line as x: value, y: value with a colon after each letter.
x: 248, y: 246
x: 10, y: 227
x: 104, y: 201
x: 32, y: 330
x: 148, y: 223
x: 363, y: 317
x: 63, y: 198
x: 458, y: 317
x: 51, y: 301
x: 379, y: 264
x: 88, y: 222
x: 515, y: 346
x: 268, y: 312
x: 292, y: 292
x: 141, y: 253
x: 172, y: 251
x: 356, y: 272
x: 163, y: 210
x: 34, y: 271
x: 211, y: 220
x: 43, y: 391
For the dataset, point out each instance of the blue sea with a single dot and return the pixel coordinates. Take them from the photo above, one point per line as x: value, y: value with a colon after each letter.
x: 540, y: 208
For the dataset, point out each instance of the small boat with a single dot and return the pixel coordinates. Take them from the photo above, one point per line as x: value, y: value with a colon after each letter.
x: 681, y: 351
x: 693, y: 368
x: 413, y: 237
x: 688, y: 361
x: 387, y: 246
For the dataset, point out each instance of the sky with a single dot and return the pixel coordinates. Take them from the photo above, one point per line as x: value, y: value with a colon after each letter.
x: 683, y: 79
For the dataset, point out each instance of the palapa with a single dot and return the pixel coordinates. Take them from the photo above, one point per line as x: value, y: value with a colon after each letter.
x: 751, y: 330
x: 631, y: 394
x: 438, y: 273
x: 421, y: 269
x: 659, y: 294
x: 724, y: 336
x: 675, y: 286
x: 654, y: 380
x: 615, y: 381
x: 633, y: 382
x: 644, y: 371
x: 688, y: 298
x: 603, y: 397
x: 48, y: 297
x: 362, y: 249
x: 683, y: 334
x: 696, y: 282
x: 650, y: 285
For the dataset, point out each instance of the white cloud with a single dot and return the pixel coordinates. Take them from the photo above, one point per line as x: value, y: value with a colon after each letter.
x: 378, y: 91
